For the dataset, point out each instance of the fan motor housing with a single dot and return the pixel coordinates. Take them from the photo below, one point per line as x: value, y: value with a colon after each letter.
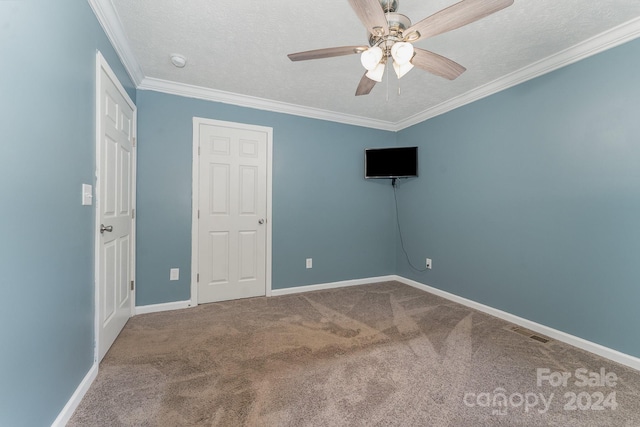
x: 398, y: 23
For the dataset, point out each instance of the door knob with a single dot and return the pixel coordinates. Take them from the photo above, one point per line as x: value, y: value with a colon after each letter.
x: 261, y: 221
x: 108, y: 228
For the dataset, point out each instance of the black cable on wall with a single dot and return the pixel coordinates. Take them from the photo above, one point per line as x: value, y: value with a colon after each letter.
x: 395, y: 198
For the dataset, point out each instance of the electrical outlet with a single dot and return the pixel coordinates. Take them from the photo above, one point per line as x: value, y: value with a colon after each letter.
x: 174, y: 274
x: 309, y: 262
x: 429, y: 263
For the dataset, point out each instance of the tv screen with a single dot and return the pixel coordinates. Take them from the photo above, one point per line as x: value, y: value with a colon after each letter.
x: 396, y: 162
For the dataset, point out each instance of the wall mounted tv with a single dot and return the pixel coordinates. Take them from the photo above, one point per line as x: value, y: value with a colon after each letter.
x: 395, y: 162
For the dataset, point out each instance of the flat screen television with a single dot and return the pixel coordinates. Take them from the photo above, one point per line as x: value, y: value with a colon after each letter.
x: 395, y: 162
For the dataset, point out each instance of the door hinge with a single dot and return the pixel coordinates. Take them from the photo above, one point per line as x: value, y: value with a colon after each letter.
x: 134, y: 141
x: 198, y: 150
x: 198, y: 277
x: 133, y: 214
x: 198, y: 213
x: 133, y: 286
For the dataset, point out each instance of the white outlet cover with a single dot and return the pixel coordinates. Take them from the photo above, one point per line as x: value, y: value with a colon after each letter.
x: 174, y: 274
x: 309, y: 262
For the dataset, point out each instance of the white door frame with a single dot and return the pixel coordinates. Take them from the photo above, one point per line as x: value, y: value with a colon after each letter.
x: 102, y: 65
x: 197, y: 121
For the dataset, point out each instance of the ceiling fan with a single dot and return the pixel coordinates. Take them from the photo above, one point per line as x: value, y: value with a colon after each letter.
x: 391, y: 35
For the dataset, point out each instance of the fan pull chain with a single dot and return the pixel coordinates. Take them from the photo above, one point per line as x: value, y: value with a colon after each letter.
x: 385, y: 49
x: 387, y: 77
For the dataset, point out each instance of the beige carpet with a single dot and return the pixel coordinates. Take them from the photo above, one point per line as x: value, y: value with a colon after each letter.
x: 374, y: 355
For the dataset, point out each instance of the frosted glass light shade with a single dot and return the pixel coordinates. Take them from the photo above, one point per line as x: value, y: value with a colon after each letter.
x: 371, y: 57
x: 402, y: 52
x: 403, y: 69
x: 377, y: 73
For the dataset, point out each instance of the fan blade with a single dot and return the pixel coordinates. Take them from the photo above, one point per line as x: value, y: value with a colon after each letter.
x: 371, y: 15
x: 365, y: 86
x: 326, y: 53
x: 456, y: 16
x: 436, y: 64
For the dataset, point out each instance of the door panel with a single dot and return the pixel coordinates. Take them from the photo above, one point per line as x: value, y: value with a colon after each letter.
x: 248, y: 190
x: 219, y: 261
x: 125, y: 181
x: 110, y: 265
x: 219, y: 182
x: 124, y: 271
x: 248, y: 253
x: 110, y: 168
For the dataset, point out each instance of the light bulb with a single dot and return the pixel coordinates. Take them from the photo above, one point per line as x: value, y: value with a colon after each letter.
x: 377, y: 72
x: 371, y: 57
x: 402, y: 52
x: 403, y: 69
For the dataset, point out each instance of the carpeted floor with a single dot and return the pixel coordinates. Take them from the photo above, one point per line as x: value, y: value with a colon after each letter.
x: 374, y: 355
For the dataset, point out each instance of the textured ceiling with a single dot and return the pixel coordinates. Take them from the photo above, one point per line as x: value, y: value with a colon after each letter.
x: 241, y: 47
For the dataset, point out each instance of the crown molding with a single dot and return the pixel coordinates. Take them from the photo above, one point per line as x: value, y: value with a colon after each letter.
x: 607, y: 40
x: 108, y: 18
x: 110, y: 23
x: 198, y: 92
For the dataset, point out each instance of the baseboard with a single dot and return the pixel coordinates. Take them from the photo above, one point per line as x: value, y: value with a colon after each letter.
x: 332, y: 285
x: 168, y: 306
x: 598, y: 349
x: 154, y: 308
x: 625, y: 359
x: 68, y: 410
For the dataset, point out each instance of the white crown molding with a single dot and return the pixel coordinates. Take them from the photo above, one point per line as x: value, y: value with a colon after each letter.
x: 191, y: 91
x: 108, y: 18
x: 607, y: 40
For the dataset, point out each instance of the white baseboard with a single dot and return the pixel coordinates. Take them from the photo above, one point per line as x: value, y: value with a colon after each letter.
x: 68, y: 410
x: 332, y: 285
x: 168, y: 306
x: 600, y: 350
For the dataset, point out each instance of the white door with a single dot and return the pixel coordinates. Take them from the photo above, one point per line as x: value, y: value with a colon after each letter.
x: 114, y: 219
x: 232, y: 204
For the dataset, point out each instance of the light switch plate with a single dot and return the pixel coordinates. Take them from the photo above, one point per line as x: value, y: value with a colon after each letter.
x: 174, y: 274
x: 87, y: 195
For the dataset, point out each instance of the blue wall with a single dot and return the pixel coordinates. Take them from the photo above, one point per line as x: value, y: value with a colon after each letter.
x: 529, y: 200
x: 323, y: 208
x: 47, y: 85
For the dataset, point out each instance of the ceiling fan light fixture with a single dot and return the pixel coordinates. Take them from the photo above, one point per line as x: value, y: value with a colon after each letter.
x: 391, y: 35
x: 403, y: 69
x: 371, y: 57
x: 377, y: 73
x: 402, y: 52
